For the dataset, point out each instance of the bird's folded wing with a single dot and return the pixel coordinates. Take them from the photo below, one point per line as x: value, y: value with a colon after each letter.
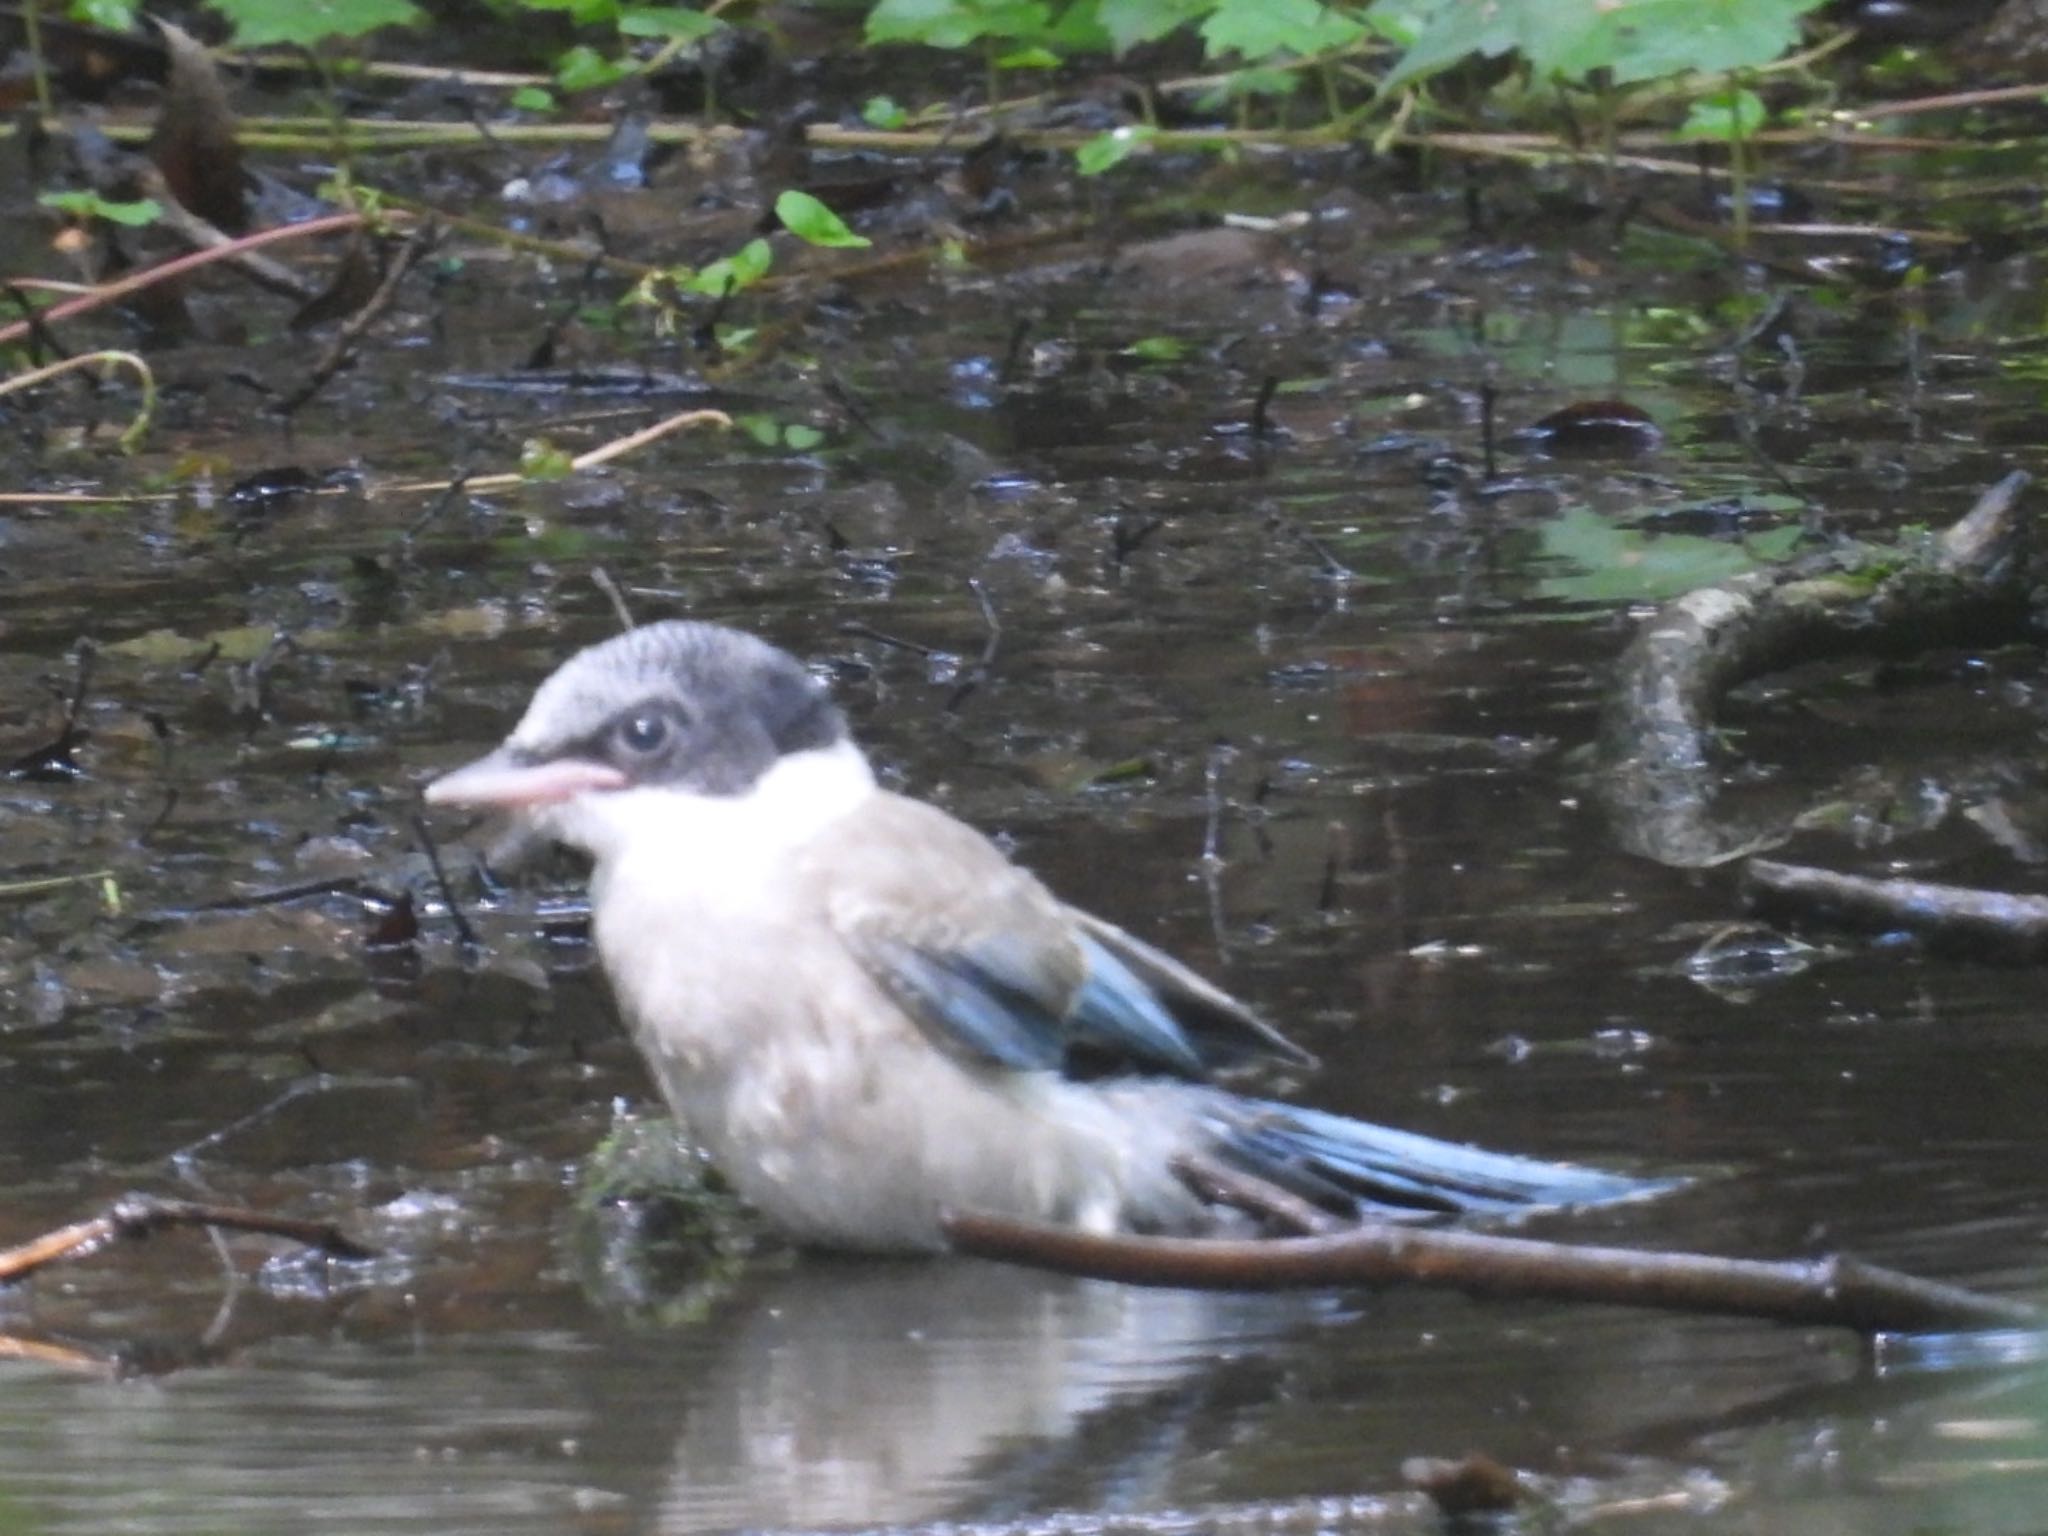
x: 1009, y: 999
x: 991, y: 966
x: 1220, y: 1030
x: 981, y: 1002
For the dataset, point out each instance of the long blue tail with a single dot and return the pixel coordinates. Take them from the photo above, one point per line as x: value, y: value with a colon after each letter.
x: 1352, y: 1166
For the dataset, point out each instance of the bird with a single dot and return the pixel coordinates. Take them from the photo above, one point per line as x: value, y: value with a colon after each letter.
x: 869, y: 1016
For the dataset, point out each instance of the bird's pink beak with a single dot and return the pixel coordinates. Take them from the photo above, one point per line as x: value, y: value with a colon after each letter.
x: 504, y: 782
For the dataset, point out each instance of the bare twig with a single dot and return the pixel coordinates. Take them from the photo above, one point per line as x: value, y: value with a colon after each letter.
x: 1221, y: 755
x: 1336, y: 860
x: 601, y: 579
x: 139, y: 1216
x: 353, y: 329
x: 463, y: 931
x: 450, y: 494
x: 860, y: 631
x: 1836, y: 1292
x: 41, y: 1352
x: 978, y: 673
x: 604, y: 453
x: 53, y: 883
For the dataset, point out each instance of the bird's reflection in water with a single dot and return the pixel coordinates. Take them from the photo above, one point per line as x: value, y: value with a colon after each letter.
x: 858, y: 1393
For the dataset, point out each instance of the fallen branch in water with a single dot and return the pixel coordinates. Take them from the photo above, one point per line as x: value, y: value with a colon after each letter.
x: 1985, y: 925
x: 1660, y: 772
x: 139, y: 1216
x: 1831, y: 1292
x: 233, y: 249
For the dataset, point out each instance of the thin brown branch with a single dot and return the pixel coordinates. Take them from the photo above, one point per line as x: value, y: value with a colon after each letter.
x: 139, y: 1216
x: 1832, y: 1292
x: 1954, y: 101
x: 64, y: 1356
x: 135, y: 282
x: 202, y: 236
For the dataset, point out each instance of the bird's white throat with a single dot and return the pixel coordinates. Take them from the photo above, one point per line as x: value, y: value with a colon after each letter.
x: 655, y: 825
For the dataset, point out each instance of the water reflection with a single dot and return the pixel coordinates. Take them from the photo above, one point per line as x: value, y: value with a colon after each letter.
x: 842, y: 1394
x: 835, y: 1393
x: 872, y: 1393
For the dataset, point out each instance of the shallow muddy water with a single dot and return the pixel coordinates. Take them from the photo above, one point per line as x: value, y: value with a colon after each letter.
x: 1365, y: 672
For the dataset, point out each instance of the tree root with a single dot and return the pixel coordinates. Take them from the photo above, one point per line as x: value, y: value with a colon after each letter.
x: 1659, y: 773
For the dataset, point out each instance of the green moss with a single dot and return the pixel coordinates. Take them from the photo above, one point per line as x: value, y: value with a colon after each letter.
x: 656, y: 1231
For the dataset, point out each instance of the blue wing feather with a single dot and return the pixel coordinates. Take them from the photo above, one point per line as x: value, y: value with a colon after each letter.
x: 1011, y: 1003
x: 1117, y: 1013
x: 968, y: 1007
x: 1354, y: 1164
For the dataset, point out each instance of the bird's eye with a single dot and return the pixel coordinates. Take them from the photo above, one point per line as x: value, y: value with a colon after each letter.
x: 643, y: 734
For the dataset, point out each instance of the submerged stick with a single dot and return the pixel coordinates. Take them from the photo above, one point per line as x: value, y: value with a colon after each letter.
x: 1992, y: 925
x: 139, y: 1216
x: 1833, y: 1292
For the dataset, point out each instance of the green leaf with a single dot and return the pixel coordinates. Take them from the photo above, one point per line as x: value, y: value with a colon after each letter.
x: 540, y: 459
x: 90, y: 205
x: 531, y: 98
x: 585, y: 69
x: 802, y: 438
x: 1240, y: 83
x: 1634, y: 40
x: 766, y: 431
x: 1077, y: 31
x: 1727, y: 117
x: 1259, y: 29
x: 1450, y: 34
x: 811, y: 221
x: 667, y: 21
x: 882, y: 112
x: 1159, y: 349
x: 1401, y: 21
x: 1131, y: 22
x: 306, y: 23
x: 583, y: 13
x: 1030, y: 58
x: 1113, y: 148
x: 730, y: 274
x: 1651, y: 39
x: 916, y: 21
x: 956, y: 23
x: 114, y: 15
